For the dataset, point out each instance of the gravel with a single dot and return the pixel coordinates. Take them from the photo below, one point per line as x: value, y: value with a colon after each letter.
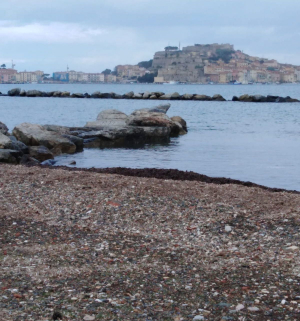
x: 95, y: 246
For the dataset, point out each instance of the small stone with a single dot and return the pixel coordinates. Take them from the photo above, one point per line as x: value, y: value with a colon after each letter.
x: 198, y: 317
x: 239, y: 307
x: 292, y: 248
x: 228, y: 228
x: 253, y: 309
x: 88, y: 317
x: 72, y: 163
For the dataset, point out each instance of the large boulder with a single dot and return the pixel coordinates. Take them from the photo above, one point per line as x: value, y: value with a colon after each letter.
x: 17, y: 145
x: 202, y: 97
x: 129, y: 95
x: 187, y: 97
x: 173, y: 96
x: 109, y: 118
x: 77, y: 95
x: 5, y: 142
x: 146, y: 95
x: 162, y: 108
x: 41, y: 153
x: 34, y: 93
x: 181, y: 121
x: 96, y: 94
x: 137, y: 96
x: 14, y: 92
x: 3, y: 128
x: 246, y: 98
x: 35, y: 135
x: 218, y: 97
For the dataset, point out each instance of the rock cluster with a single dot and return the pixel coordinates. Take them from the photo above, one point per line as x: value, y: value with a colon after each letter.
x: 157, y: 95
x: 32, y: 143
x: 264, y: 99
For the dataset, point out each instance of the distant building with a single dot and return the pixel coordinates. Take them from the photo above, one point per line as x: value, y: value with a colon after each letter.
x: 110, y: 78
x: 7, y: 75
x: 29, y: 76
x: 77, y: 76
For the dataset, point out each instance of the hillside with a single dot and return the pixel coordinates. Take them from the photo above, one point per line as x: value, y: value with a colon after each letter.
x: 219, y: 63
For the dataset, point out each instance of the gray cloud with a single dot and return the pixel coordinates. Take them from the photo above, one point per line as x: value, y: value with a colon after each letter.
x: 91, y: 35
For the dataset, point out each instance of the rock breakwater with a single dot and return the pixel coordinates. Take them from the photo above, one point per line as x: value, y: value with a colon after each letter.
x: 157, y: 95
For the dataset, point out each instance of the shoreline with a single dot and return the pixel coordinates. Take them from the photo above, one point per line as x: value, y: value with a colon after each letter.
x: 168, y: 174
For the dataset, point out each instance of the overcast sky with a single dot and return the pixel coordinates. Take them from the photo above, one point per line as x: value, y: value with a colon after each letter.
x: 91, y: 35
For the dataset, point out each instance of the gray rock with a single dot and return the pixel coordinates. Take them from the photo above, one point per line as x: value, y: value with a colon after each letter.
x: 14, y: 92
x: 75, y: 140
x: 65, y: 94
x: 218, y: 97
x: 157, y: 93
x: 77, y: 95
x: 35, y: 135
x: 56, y: 94
x: 3, y: 128
x: 5, y: 142
x: 129, y: 95
x: 245, y: 98
x: 146, y: 95
x: 202, y: 97
x: 28, y: 160
x: 153, y: 97
x: 137, y: 96
x: 105, y: 95
x: 23, y: 93
x: 34, y: 93
x: 48, y: 162
x: 187, y: 96
x: 96, y: 94
x: 174, y: 96
x: 17, y: 145
x: 58, y: 129
x: 259, y: 98
x: 41, y: 153
x: 109, y: 118
x: 162, y: 108
x: 181, y: 121
x: 9, y: 156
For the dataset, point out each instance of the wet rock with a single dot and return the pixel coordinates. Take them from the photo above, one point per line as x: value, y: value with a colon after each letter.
x: 56, y: 94
x: 173, y: 96
x: 3, y: 128
x: 22, y: 93
x: 41, y: 153
x: 58, y: 129
x: 35, y: 135
x: 14, y: 92
x: 245, y: 98
x: 235, y: 98
x: 72, y: 163
x: 65, y: 94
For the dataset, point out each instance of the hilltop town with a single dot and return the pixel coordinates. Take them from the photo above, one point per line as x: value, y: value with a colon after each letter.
x: 211, y: 63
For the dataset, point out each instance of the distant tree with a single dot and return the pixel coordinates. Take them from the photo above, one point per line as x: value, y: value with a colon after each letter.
x: 146, y: 64
x: 3, y: 66
x: 148, y: 78
x: 106, y: 72
x: 223, y: 54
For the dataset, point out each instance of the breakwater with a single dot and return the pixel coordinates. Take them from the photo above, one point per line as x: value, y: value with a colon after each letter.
x: 157, y: 95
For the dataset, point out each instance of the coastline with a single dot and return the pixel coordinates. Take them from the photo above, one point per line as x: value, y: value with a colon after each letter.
x: 94, y: 246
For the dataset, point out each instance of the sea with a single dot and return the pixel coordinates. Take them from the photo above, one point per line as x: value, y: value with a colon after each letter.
x: 257, y: 142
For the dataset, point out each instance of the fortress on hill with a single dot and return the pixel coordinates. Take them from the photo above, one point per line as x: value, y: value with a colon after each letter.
x: 218, y: 63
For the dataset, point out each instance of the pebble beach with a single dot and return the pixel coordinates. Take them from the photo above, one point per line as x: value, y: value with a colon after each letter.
x: 82, y: 245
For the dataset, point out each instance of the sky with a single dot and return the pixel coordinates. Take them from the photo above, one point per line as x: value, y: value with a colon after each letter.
x: 92, y: 35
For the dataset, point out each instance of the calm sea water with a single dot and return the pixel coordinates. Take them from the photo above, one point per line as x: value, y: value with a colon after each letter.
x: 246, y: 141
